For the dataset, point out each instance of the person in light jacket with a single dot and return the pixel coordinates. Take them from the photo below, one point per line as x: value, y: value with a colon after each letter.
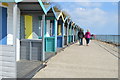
x: 87, y: 36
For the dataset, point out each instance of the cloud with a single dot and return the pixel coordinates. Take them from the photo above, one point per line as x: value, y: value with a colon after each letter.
x: 90, y: 4
x: 96, y: 18
x: 88, y: 17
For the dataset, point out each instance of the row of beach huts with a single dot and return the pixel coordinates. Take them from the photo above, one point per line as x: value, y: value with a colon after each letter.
x: 32, y: 30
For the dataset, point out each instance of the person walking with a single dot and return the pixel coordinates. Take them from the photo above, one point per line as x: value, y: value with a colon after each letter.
x: 80, y: 36
x: 87, y: 36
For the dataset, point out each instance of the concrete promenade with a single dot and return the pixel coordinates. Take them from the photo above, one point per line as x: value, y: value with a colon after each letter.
x: 98, y: 60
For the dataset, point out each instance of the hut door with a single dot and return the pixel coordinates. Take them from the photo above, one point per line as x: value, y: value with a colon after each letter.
x: 3, y: 26
x: 28, y: 27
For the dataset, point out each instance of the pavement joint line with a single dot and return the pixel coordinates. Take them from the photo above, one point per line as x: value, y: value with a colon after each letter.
x: 113, y: 49
x: 108, y: 51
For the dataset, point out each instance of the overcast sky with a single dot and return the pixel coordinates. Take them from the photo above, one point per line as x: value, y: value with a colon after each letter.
x: 99, y: 17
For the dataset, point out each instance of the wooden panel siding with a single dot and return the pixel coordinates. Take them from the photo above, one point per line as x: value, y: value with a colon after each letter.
x: 49, y: 44
x: 8, y: 61
x: 30, y: 49
x: 69, y: 38
x: 59, y: 41
x: 36, y: 51
x: 24, y: 50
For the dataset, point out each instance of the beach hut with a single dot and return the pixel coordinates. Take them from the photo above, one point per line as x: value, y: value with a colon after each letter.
x: 60, y: 28
x: 66, y: 17
x: 32, y: 15
x: 72, y: 32
x: 60, y: 32
x: 50, y: 33
x: 68, y: 30
x: 65, y: 31
x: 8, y: 14
x: 73, y: 40
x: 75, y: 33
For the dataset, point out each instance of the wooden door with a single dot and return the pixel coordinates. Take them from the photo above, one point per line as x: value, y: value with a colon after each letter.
x: 28, y: 27
x: 3, y: 26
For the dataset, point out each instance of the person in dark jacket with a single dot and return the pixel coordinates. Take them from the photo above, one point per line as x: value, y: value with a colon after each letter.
x: 81, y: 36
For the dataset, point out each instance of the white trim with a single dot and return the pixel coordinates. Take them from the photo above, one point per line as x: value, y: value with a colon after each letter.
x: 14, y: 30
x: 43, y: 38
x: 18, y: 36
x: 10, y: 24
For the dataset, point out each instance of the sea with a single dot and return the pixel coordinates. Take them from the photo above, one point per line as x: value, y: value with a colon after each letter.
x: 109, y: 38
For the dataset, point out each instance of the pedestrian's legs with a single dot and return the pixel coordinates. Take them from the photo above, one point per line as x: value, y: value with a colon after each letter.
x: 81, y: 43
x: 87, y: 41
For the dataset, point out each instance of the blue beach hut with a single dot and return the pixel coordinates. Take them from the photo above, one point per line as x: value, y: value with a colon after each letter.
x: 60, y: 28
